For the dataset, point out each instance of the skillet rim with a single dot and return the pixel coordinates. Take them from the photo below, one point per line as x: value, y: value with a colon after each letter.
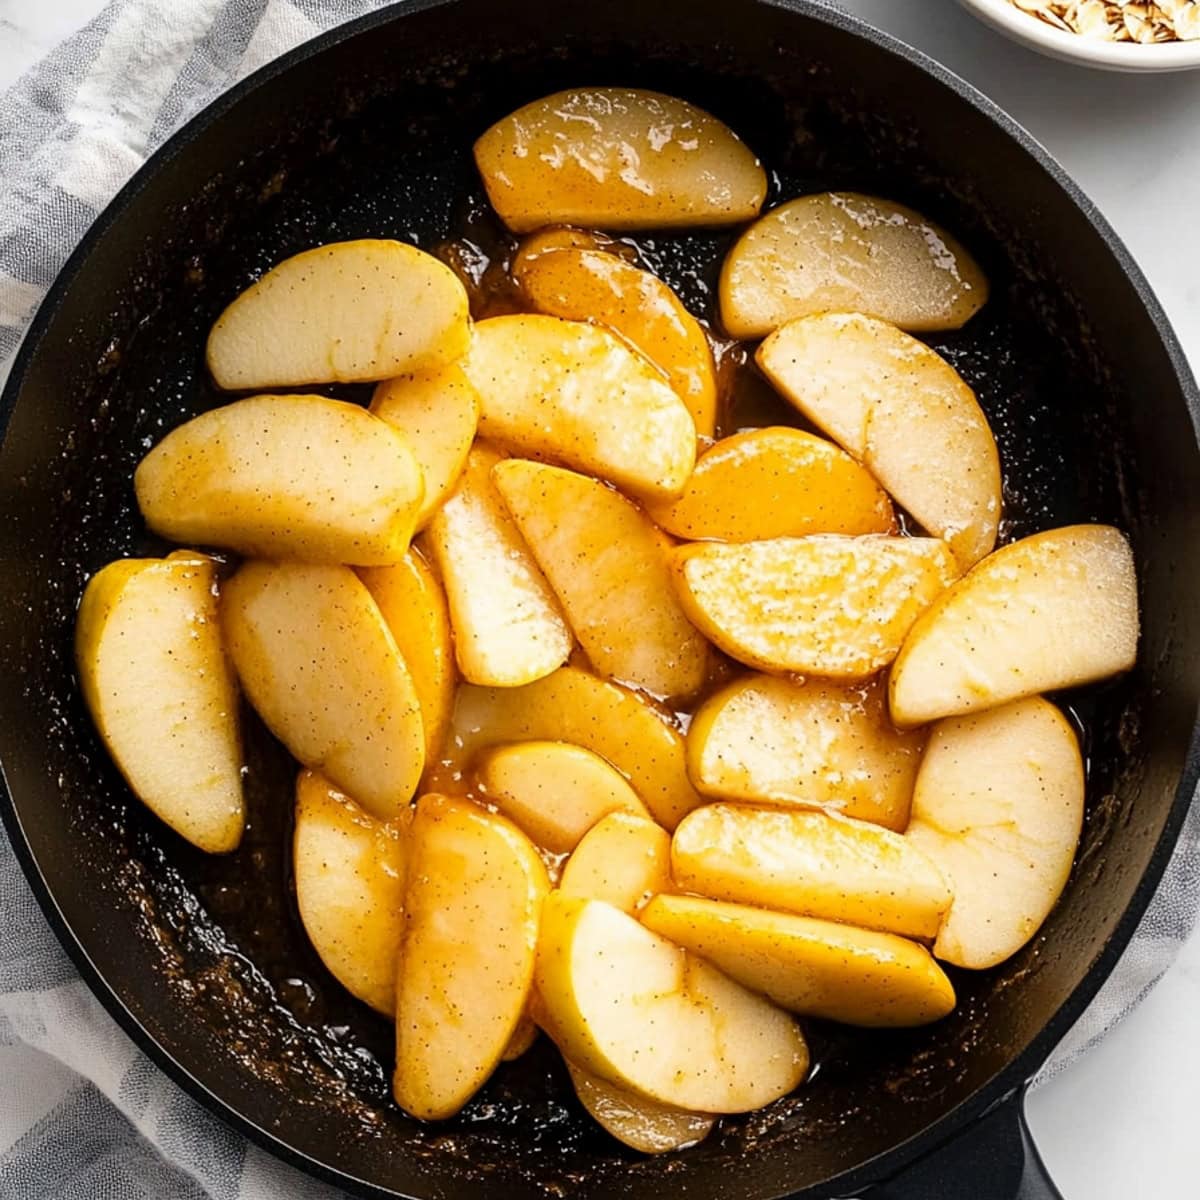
x: 1016, y: 1075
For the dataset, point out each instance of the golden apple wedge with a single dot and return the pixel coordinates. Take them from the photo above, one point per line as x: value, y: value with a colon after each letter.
x: 413, y: 605
x: 607, y: 563
x: 555, y: 792
x: 823, y: 605
x: 812, y: 864
x: 574, y: 706
x: 319, y: 664
x: 623, y: 860
x: 617, y: 158
x: 904, y: 411
x: 161, y: 693
x: 627, y: 1005
x: 437, y: 412
x: 580, y: 396
x: 641, y: 1124
x: 812, y: 967
x: 296, y: 477
x: 844, y: 251
x: 775, y: 482
x: 523, y: 1037
x: 1055, y: 610
x: 590, y: 285
x: 812, y: 743
x: 473, y: 901
x: 999, y: 808
x: 341, y: 313
x: 508, y: 629
x: 349, y: 871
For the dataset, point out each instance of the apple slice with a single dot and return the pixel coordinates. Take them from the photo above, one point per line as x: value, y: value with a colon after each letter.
x: 162, y: 696
x: 815, y: 968
x: 437, y: 412
x: 297, y: 477
x: 1051, y: 611
x: 845, y: 251
x: 412, y: 602
x: 628, y: 1006
x: 508, y: 629
x: 812, y: 743
x: 641, y: 1124
x: 811, y: 864
x: 999, y: 809
x: 523, y: 1037
x: 318, y: 662
x: 341, y: 313
x: 574, y: 706
x: 623, y: 860
x: 608, y: 566
x: 349, y: 871
x: 555, y: 792
x: 590, y: 285
x: 474, y: 896
x: 775, y: 482
x: 904, y: 411
x: 618, y: 158
x: 579, y: 395
x: 822, y: 605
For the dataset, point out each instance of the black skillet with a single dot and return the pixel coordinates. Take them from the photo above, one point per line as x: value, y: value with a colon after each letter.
x: 367, y: 132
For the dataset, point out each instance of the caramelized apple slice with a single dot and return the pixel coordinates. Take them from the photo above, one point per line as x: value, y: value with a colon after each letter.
x: 623, y: 860
x: 822, y: 605
x: 617, y: 158
x: 843, y: 251
x: 998, y: 808
x: 581, y: 396
x: 775, y: 482
x: 1051, y: 611
x: 345, y: 312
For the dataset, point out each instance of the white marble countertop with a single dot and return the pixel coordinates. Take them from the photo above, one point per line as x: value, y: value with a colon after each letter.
x: 1120, y: 1124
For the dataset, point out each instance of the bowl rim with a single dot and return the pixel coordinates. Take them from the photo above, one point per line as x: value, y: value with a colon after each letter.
x: 1075, y: 47
x: 1009, y: 1082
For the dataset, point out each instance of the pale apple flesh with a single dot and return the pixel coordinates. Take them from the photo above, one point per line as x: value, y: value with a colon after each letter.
x: 617, y: 158
x: 812, y: 967
x: 162, y: 694
x: 555, y: 792
x: 607, y: 564
x: 319, y: 664
x: 811, y: 864
x: 508, y: 627
x: 904, y: 411
x: 624, y: 860
x: 641, y: 1124
x: 811, y: 743
x: 848, y: 252
x: 627, y: 1005
x: 998, y: 808
x: 580, y: 396
x: 345, y: 312
x: 292, y: 477
x: 572, y: 705
x: 349, y: 871
x: 1055, y: 610
x: 473, y: 900
x: 838, y: 607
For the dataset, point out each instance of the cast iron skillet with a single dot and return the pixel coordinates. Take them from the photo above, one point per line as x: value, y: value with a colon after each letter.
x: 367, y: 132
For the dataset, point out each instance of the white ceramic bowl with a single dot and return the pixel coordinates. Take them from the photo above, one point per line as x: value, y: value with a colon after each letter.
x: 1072, y: 47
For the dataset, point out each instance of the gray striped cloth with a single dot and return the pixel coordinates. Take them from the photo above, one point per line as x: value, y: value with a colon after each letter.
x: 83, y: 1114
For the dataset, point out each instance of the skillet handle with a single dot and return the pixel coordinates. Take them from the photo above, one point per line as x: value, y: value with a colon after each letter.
x: 993, y: 1159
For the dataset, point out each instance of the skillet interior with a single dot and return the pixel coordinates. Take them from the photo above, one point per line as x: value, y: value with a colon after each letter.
x: 371, y: 137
